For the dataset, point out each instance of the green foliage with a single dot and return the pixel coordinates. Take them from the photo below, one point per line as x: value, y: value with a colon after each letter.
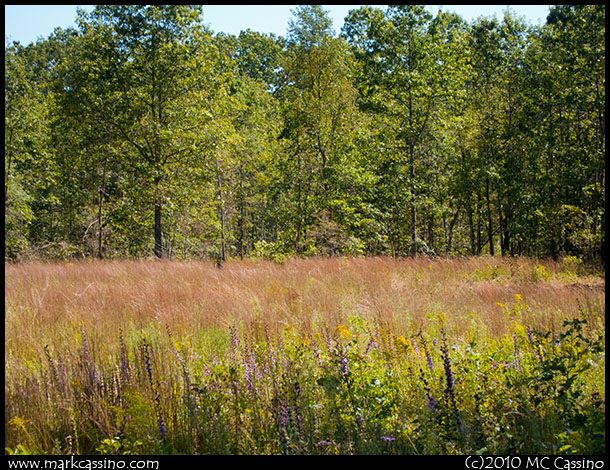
x: 142, y: 133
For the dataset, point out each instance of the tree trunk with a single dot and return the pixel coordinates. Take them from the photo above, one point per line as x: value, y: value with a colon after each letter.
x: 502, y: 222
x: 471, y: 229
x: 479, y: 228
x: 431, y: 240
x: 221, y: 213
x: 489, y: 224
x: 451, y: 226
x: 158, y: 229
x: 240, y: 221
x: 99, y: 223
x: 413, y: 207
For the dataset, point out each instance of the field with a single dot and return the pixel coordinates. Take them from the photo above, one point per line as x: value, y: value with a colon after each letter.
x: 315, y: 356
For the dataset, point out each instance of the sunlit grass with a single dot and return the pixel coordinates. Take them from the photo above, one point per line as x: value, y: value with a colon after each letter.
x: 310, y: 356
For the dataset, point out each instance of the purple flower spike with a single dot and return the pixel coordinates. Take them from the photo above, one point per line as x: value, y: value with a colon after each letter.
x: 161, y: 427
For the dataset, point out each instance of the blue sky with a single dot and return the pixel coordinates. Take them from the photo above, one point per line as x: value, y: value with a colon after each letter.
x: 26, y: 23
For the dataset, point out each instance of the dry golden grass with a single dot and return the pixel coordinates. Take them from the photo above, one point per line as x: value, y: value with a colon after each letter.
x: 46, y: 301
x: 87, y: 344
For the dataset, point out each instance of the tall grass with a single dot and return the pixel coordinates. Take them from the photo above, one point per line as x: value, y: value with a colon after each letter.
x: 309, y: 356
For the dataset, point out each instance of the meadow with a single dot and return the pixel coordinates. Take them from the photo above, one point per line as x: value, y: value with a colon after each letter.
x: 309, y: 356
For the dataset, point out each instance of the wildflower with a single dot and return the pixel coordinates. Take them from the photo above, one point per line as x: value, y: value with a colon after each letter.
x: 248, y: 377
x: 427, y: 353
x: 318, y: 358
x: 147, y: 360
x: 343, y: 360
x: 413, y: 348
x: 518, y: 298
x: 371, y: 344
x: 388, y: 439
x: 400, y: 342
x: 447, y: 363
x: 530, y: 336
x: 234, y: 340
x: 542, y: 351
x: 450, y: 390
x: 161, y: 427
x: 124, y: 356
x: 431, y: 401
x: 501, y: 305
x: 257, y: 372
x: 179, y: 358
x: 343, y: 331
x: 515, y: 350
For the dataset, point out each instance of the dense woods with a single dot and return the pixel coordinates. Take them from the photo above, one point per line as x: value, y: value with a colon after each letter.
x: 141, y: 133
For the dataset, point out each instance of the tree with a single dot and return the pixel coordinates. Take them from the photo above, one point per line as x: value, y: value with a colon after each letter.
x: 320, y: 117
x: 566, y: 63
x: 408, y: 70
x: 150, y: 67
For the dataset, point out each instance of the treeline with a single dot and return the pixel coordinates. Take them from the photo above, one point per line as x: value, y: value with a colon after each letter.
x: 142, y: 133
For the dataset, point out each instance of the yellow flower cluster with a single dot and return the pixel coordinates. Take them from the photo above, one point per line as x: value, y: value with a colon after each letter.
x: 400, y: 342
x: 343, y: 331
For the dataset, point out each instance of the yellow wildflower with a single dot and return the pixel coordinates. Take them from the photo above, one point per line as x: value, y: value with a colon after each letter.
x: 520, y: 331
x: 517, y: 298
x: 19, y: 423
x: 343, y: 331
x: 412, y: 349
x: 400, y: 342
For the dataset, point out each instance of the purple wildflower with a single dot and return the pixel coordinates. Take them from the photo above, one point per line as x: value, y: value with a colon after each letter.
x: 257, y: 372
x: 234, y: 339
x: 124, y: 357
x: 449, y: 378
x: 388, y: 439
x: 343, y: 366
x: 431, y: 402
x: 248, y: 377
x: 318, y: 358
x: 515, y: 350
x: 415, y: 348
x: 161, y: 427
x: 450, y: 381
x: 147, y: 360
x: 371, y: 344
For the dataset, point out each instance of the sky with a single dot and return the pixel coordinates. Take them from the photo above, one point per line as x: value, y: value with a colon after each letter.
x: 27, y: 23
